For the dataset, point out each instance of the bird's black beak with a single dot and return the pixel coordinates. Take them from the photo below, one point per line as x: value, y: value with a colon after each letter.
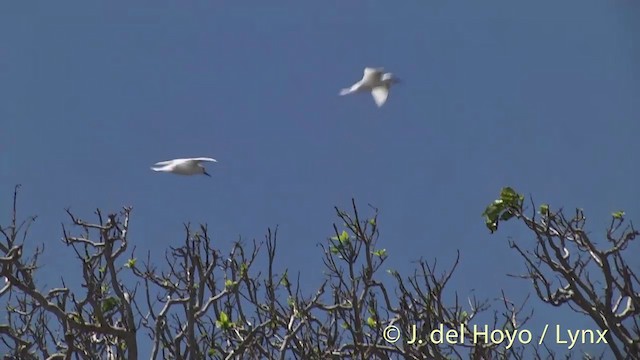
x: 206, y: 173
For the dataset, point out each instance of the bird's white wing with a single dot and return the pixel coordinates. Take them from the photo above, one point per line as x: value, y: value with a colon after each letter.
x: 370, y: 70
x: 371, y: 74
x: 203, y: 159
x: 345, y: 91
x: 380, y: 94
x: 161, y: 163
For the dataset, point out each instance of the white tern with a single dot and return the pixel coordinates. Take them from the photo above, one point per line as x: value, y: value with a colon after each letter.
x: 191, y: 166
x: 376, y: 81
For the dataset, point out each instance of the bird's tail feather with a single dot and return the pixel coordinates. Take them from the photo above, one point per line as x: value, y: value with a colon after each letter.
x: 345, y: 91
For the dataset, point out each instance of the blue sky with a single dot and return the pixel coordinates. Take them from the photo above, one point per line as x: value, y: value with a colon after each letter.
x: 542, y: 97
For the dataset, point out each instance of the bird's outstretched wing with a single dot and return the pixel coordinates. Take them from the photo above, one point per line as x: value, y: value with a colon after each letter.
x: 200, y: 159
x: 161, y: 163
x: 345, y: 91
x: 380, y: 94
x: 371, y: 73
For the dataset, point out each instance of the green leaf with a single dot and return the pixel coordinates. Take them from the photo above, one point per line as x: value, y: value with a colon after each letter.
x: 491, y: 214
x: 130, y: 263
x: 510, y: 196
x: 618, y: 214
x: 501, y: 209
x: 494, y: 209
x: 285, y: 280
x: 344, y: 237
x: 334, y: 249
x: 223, y: 321
x: 506, y: 216
x: 491, y: 219
x: 224, y: 317
x: 109, y: 304
x: 211, y: 352
x: 380, y: 253
x: 371, y: 322
x: 344, y: 325
x: 544, y: 209
x: 229, y: 283
x: 372, y: 222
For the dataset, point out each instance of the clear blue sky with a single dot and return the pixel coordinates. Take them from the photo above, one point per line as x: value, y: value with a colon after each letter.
x: 542, y: 97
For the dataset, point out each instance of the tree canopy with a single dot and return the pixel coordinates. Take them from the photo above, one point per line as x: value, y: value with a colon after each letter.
x: 202, y: 303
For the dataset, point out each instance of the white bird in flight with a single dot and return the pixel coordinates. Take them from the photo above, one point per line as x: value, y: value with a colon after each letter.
x: 191, y: 166
x: 375, y: 81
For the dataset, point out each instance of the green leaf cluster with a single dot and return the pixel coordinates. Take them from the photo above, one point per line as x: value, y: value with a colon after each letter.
x: 223, y: 321
x: 342, y: 241
x: 502, y: 209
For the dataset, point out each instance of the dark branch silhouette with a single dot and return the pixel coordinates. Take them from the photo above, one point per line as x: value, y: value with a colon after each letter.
x: 201, y: 303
